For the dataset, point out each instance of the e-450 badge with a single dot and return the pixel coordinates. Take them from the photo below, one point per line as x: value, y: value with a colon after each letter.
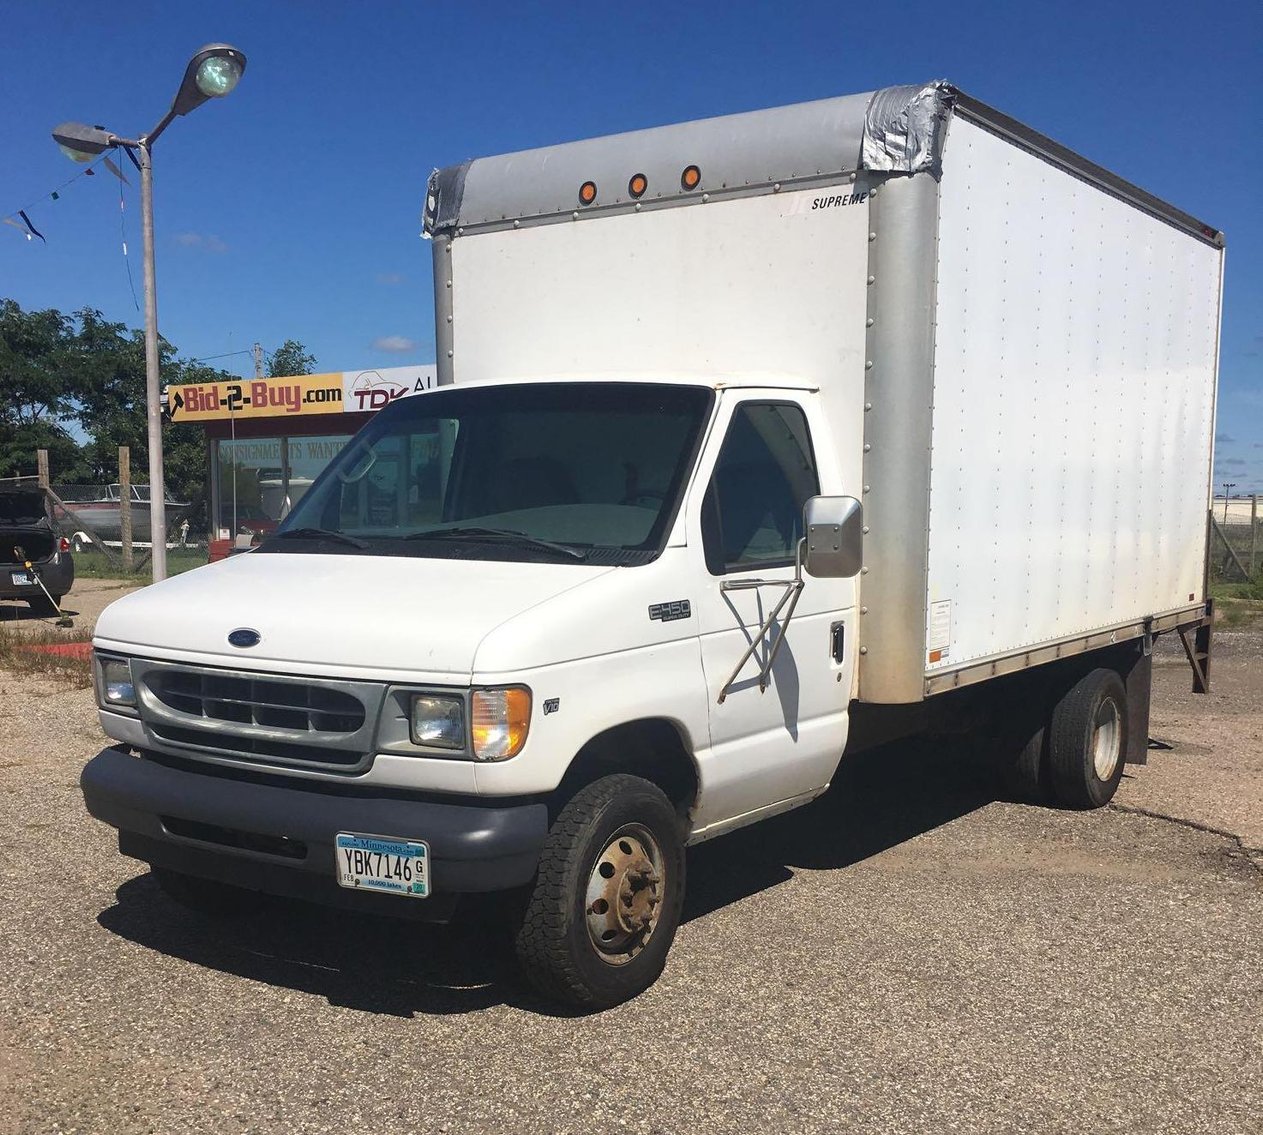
x: 667, y: 612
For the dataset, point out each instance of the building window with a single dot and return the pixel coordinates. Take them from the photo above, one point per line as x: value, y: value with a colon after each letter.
x: 261, y: 479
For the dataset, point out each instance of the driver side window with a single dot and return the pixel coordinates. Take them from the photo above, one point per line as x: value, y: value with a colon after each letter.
x: 753, y: 512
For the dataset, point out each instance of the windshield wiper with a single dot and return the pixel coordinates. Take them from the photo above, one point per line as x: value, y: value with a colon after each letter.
x: 319, y: 534
x: 474, y: 533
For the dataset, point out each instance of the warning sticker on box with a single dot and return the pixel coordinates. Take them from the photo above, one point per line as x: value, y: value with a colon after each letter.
x: 939, y: 639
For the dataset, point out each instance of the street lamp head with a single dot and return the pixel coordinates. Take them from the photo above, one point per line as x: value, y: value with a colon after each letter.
x: 211, y: 74
x: 82, y: 143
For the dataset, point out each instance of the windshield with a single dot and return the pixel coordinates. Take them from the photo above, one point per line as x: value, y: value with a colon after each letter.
x: 571, y: 472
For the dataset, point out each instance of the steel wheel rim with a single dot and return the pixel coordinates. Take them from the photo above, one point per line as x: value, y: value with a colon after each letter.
x: 1106, y: 739
x: 623, y: 900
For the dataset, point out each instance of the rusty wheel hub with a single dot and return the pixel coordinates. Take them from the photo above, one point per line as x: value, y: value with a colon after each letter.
x: 624, y: 895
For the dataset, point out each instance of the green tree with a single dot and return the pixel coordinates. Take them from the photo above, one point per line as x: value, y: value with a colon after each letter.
x: 112, y: 410
x: 291, y: 357
x: 40, y: 380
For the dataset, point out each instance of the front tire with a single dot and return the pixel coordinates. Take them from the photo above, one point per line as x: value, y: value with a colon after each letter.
x: 608, y: 895
x: 1087, y: 743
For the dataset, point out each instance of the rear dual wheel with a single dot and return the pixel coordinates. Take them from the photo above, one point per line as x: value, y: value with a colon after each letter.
x: 1087, y: 741
x: 1073, y: 753
x: 607, y: 899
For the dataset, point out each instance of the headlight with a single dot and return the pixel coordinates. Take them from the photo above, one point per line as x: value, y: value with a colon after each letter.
x: 114, y: 684
x: 437, y: 722
x: 500, y: 721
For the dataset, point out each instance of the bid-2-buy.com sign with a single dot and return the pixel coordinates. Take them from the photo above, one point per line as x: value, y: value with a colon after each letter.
x: 336, y: 392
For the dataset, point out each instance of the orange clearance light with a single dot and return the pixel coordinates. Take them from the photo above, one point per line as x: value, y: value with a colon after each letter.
x: 691, y: 178
x: 638, y: 184
x: 587, y: 193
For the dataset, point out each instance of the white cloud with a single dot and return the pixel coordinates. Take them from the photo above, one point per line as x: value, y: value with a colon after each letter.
x: 208, y: 242
x: 398, y: 344
x: 390, y: 279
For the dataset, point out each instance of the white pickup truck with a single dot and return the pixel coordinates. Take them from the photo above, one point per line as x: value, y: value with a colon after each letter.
x: 759, y: 440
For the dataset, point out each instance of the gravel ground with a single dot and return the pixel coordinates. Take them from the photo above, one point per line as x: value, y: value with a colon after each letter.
x: 908, y: 954
x: 87, y: 599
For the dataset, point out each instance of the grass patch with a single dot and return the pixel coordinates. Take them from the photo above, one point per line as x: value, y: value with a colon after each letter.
x: 93, y: 565
x: 1232, y: 612
x: 22, y: 653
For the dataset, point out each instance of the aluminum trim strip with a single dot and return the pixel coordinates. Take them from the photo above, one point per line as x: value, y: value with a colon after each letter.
x: 1038, y: 654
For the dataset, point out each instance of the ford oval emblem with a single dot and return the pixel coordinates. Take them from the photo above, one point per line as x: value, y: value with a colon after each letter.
x: 243, y: 637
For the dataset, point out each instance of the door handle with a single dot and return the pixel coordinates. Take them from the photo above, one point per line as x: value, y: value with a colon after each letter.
x: 837, y: 641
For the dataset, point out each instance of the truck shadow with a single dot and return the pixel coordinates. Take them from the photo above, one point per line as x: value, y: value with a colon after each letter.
x: 375, y: 965
x: 878, y: 799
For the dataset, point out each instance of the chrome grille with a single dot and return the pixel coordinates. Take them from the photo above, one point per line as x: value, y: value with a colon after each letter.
x: 258, y: 701
x: 240, y: 717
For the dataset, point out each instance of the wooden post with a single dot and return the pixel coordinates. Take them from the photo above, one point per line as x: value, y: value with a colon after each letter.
x: 1254, y: 533
x: 125, y: 503
x: 41, y: 467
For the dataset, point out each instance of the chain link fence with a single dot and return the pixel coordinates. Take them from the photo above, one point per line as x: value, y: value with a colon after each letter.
x: 1236, y: 540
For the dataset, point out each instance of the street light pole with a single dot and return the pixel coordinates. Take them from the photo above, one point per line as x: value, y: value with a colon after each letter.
x: 212, y: 73
x: 153, y: 378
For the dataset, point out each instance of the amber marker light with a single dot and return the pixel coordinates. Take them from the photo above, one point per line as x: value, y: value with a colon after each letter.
x: 587, y: 193
x: 638, y: 184
x: 691, y: 178
x: 499, y: 721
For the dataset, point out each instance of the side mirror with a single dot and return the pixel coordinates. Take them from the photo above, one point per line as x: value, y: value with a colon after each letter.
x: 834, y: 531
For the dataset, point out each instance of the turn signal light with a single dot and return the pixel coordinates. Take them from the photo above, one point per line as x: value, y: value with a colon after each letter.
x: 638, y: 184
x: 499, y: 720
x: 691, y: 178
x: 587, y: 193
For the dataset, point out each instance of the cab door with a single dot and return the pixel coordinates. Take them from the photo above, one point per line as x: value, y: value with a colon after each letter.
x: 777, y: 732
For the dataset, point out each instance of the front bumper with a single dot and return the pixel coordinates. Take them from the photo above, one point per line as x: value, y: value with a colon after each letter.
x: 280, y: 839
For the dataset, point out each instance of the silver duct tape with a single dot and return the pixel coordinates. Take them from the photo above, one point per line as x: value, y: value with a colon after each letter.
x: 903, y: 128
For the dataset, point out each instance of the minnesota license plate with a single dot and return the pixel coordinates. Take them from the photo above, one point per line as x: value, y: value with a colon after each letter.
x: 21, y: 579
x: 389, y: 866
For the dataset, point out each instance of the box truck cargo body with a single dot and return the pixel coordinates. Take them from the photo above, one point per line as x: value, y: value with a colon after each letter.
x: 759, y: 439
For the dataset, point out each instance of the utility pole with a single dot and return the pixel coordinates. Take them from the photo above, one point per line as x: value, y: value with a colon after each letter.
x: 1228, y: 487
x: 258, y: 360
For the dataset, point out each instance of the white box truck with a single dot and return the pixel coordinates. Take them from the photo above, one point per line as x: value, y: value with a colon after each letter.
x: 759, y: 440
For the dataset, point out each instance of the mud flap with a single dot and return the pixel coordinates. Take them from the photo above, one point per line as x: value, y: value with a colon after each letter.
x: 1138, y: 681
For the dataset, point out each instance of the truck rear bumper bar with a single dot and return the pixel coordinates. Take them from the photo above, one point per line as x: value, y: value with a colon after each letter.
x: 281, y: 840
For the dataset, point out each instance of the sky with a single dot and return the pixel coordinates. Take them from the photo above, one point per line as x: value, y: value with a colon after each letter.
x: 291, y: 208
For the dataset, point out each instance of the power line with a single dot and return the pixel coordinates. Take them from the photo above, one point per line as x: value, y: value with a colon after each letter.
x: 225, y: 355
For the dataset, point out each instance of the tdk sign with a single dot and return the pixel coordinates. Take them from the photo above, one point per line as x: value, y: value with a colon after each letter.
x: 243, y: 637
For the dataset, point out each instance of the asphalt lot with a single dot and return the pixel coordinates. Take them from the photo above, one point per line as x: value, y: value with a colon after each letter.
x: 908, y: 954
